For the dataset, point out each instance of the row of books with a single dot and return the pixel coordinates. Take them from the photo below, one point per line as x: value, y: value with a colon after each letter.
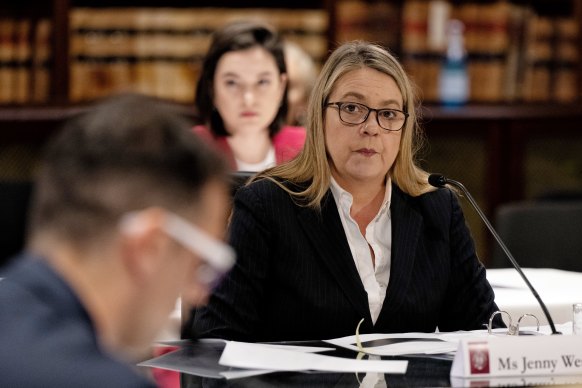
x: 514, y: 53
x: 24, y: 60
x: 373, y: 21
x: 159, y: 51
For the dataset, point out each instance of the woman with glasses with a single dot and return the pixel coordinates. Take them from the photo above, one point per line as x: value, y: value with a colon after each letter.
x: 350, y: 229
x: 241, y: 98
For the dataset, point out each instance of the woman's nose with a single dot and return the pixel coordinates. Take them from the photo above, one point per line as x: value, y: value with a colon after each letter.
x: 248, y: 97
x: 371, y: 126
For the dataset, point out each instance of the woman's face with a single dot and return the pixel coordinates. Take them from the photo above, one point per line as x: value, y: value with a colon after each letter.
x: 248, y: 90
x: 362, y: 153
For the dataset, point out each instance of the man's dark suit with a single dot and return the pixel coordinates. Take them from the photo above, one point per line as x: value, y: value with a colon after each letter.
x: 47, y: 336
x: 295, y: 278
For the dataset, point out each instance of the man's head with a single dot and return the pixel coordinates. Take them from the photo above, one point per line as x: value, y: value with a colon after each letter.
x: 119, y: 192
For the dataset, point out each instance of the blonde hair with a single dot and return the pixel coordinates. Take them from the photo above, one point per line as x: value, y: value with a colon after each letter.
x: 312, y: 166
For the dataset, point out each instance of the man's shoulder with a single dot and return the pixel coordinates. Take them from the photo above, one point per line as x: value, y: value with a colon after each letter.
x: 44, y: 348
x: 70, y: 365
x: 47, y: 337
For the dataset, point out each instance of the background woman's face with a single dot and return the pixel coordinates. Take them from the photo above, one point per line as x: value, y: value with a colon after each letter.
x: 248, y: 90
x: 362, y: 153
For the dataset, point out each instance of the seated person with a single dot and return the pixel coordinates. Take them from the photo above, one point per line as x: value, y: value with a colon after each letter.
x: 350, y: 229
x: 301, y: 75
x: 126, y: 215
x: 241, y: 98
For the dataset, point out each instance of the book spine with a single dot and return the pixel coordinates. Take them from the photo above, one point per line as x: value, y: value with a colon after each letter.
x: 566, y: 61
x: 7, y: 58
x: 159, y: 51
x: 41, y: 57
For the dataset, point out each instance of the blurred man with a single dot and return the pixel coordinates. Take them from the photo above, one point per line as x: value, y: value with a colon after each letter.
x: 127, y: 215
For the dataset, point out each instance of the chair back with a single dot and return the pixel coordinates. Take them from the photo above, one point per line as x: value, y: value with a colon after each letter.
x: 541, y: 234
x: 14, y: 203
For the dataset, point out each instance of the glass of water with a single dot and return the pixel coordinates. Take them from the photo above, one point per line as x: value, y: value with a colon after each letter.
x: 577, y: 319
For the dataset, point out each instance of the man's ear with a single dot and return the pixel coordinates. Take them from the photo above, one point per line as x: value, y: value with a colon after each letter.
x: 142, y: 242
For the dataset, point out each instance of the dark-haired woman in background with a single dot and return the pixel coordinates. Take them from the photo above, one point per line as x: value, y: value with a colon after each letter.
x: 241, y: 98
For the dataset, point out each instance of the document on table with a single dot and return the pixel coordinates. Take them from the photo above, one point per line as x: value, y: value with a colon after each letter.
x: 200, y: 358
x: 259, y: 356
x: 427, y: 344
x: 399, y: 344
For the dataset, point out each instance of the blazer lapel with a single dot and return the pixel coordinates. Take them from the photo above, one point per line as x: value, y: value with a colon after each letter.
x: 328, y: 237
x: 406, y: 228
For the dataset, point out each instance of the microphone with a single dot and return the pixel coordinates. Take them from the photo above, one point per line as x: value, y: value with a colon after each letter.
x: 438, y: 180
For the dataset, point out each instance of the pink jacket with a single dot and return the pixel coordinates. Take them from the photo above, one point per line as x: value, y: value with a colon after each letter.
x: 288, y: 142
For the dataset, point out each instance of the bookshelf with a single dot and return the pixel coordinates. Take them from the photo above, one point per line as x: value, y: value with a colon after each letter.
x: 496, y: 146
x: 83, y: 36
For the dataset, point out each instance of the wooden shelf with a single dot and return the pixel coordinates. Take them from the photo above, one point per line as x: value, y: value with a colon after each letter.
x: 198, y: 3
x: 38, y: 114
x: 502, y: 112
x: 431, y: 112
x: 34, y: 124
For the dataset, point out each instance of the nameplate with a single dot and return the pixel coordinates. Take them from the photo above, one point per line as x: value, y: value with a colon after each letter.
x: 518, y: 356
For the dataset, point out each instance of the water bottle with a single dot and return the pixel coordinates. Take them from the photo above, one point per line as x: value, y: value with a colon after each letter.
x: 454, y: 77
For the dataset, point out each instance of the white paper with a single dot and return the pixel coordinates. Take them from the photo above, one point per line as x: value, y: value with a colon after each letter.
x: 303, y: 349
x: 413, y: 343
x: 424, y: 343
x: 258, y: 356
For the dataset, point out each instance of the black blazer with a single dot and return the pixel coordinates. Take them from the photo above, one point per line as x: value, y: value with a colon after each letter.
x: 295, y: 278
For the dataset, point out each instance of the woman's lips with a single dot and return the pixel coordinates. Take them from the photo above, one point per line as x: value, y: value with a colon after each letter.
x: 366, y: 152
x: 248, y: 114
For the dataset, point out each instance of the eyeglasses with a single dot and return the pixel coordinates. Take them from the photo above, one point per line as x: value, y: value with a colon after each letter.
x: 355, y: 113
x: 218, y: 256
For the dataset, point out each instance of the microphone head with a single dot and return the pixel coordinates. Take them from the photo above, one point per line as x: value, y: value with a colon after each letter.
x: 437, y: 180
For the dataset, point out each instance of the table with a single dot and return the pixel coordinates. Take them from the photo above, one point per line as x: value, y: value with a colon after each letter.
x: 421, y: 372
x: 558, y: 289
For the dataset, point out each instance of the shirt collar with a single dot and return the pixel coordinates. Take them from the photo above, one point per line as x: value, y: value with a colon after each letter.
x: 344, y: 198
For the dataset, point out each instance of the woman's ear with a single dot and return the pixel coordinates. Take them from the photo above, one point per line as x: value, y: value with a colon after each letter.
x: 283, y: 78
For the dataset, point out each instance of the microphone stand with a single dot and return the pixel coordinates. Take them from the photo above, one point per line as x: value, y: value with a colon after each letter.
x: 441, y: 181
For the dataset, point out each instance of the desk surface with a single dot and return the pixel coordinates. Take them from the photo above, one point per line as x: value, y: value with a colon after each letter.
x: 421, y: 372
x: 558, y: 289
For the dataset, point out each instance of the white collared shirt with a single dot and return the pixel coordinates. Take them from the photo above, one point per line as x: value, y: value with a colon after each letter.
x: 269, y: 161
x: 378, y: 237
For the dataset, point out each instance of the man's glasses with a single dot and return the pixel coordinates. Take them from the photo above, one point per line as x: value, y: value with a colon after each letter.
x: 218, y: 256
x: 355, y: 113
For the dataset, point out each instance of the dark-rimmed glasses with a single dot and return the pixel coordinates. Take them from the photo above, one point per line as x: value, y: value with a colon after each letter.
x: 354, y: 113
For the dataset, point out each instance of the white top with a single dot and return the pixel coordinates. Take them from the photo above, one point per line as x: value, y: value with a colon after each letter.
x: 378, y: 237
x: 269, y: 161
